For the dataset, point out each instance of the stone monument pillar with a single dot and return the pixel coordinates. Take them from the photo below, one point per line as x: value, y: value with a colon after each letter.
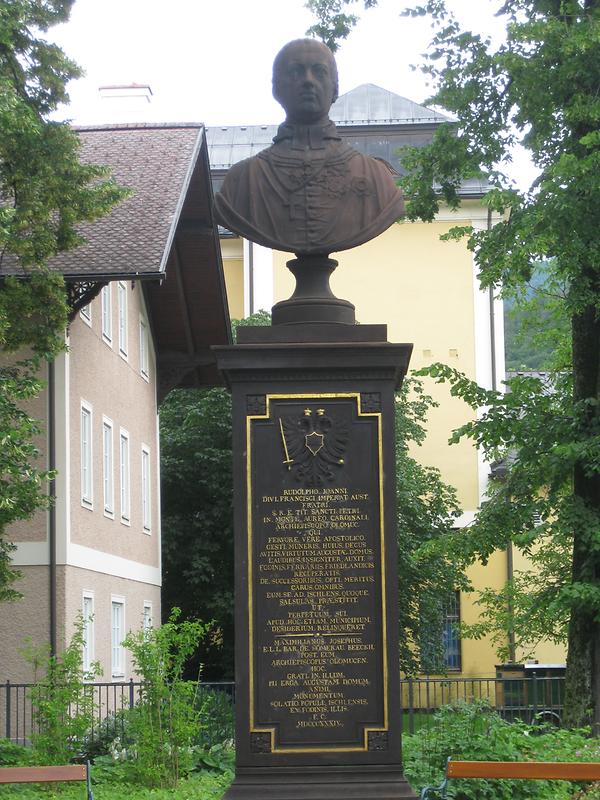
x: 317, y: 678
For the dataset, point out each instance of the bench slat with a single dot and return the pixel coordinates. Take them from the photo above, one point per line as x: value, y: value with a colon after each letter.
x: 532, y: 770
x: 71, y: 772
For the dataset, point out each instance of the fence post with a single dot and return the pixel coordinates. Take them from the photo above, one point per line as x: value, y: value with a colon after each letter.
x: 411, y: 707
x: 8, y: 710
x: 534, y: 691
x: 131, y: 703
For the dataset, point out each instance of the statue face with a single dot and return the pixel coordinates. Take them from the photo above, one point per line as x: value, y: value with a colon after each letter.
x: 304, y: 83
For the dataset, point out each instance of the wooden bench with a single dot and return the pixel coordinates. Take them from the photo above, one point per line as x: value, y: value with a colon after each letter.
x: 71, y: 772
x: 515, y: 770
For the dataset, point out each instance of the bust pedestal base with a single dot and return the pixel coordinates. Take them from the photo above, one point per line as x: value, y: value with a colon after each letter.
x: 317, y: 679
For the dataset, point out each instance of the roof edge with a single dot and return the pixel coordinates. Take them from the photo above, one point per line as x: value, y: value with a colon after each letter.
x: 115, y: 126
x: 182, y: 195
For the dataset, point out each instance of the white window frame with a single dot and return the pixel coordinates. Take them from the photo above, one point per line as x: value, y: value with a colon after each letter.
x: 117, y: 651
x: 125, y: 476
x: 87, y: 655
x: 146, y: 489
x: 87, y: 454
x: 108, y: 468
x: 122, y: 304
x: 144, y: 350
x: 85, y: 312
x: 147, y: 616
x: 106, y: 315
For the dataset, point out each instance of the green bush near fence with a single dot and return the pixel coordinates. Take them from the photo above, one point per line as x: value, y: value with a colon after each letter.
x: 166, y: 718
x: 473, y: 731
x: 61, y: 700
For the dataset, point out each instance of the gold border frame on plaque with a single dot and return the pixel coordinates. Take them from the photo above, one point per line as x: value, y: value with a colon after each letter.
x: 272, y: 731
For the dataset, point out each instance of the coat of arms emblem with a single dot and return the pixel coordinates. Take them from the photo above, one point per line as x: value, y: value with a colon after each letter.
x: 314, y: 445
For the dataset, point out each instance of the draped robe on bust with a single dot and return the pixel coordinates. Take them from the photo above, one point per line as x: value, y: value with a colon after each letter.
x: 309, y: 193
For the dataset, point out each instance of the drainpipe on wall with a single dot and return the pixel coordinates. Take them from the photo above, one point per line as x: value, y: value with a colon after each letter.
x: 52, y: 509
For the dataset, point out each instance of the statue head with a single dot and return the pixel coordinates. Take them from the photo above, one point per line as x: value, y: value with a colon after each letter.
x: 305, y: 80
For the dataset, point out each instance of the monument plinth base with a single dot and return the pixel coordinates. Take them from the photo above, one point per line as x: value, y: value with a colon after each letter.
x: 340, y: 784
x: 317, y: 680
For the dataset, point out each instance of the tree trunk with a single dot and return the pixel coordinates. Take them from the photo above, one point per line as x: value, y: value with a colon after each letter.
x: 582, y: 689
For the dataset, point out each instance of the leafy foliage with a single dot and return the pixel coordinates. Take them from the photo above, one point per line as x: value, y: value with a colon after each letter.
x: 45, y: 191
x: 165, y: 721
x: 63, y: 706
x: 473, y: 731
x: 539, y: 87
x: 532, y: 505
x: 426, y: 513
x: 197, y: 525
x: 333, y: 23
x: 536, y: 327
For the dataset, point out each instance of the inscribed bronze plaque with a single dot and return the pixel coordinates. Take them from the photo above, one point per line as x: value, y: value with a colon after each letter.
x: 316, y: 575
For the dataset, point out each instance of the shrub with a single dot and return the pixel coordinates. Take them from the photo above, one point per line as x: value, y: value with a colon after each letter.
x: 591, y: 792
x: 63, y: 705
x: 165, y: 721
x: 473, y: 731
x: 108, y: 735
x: 14, y: 755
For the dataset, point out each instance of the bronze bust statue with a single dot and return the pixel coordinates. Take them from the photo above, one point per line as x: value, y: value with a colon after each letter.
x: 309, y: 193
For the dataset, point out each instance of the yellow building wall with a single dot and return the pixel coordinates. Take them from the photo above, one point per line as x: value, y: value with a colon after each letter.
x: 233, y: 269
x: 423, y: 289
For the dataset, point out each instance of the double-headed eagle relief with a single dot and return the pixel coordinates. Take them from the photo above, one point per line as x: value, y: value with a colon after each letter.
x: 313, y: 446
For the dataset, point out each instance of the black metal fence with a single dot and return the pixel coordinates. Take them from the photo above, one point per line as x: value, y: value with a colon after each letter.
x: 529, y: 698
x: 17, y: 713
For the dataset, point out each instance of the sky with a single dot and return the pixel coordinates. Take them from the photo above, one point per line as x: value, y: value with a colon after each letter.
x: 210, y: 61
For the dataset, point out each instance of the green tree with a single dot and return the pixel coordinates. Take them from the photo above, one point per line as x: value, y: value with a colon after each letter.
x: 426, y: 510
x: 44, y: 192
x: 332, y: 22
x: 539, y: 88
x: 536, y: 328
x: 197, y: 519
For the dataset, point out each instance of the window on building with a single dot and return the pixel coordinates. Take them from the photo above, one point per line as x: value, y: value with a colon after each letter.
x: 122, y: 297
x: 440, y: 638
x: 144, y: 368
x: 107, y: 467
x: 147, y: 617
x: 107, y: 313
x: 451, y: 634
x: 87, y: 613
x: 86, y: 456
x: 124, y: 475
x: 146, y: 508
x: 86, y: 314
x: 117, y: 636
